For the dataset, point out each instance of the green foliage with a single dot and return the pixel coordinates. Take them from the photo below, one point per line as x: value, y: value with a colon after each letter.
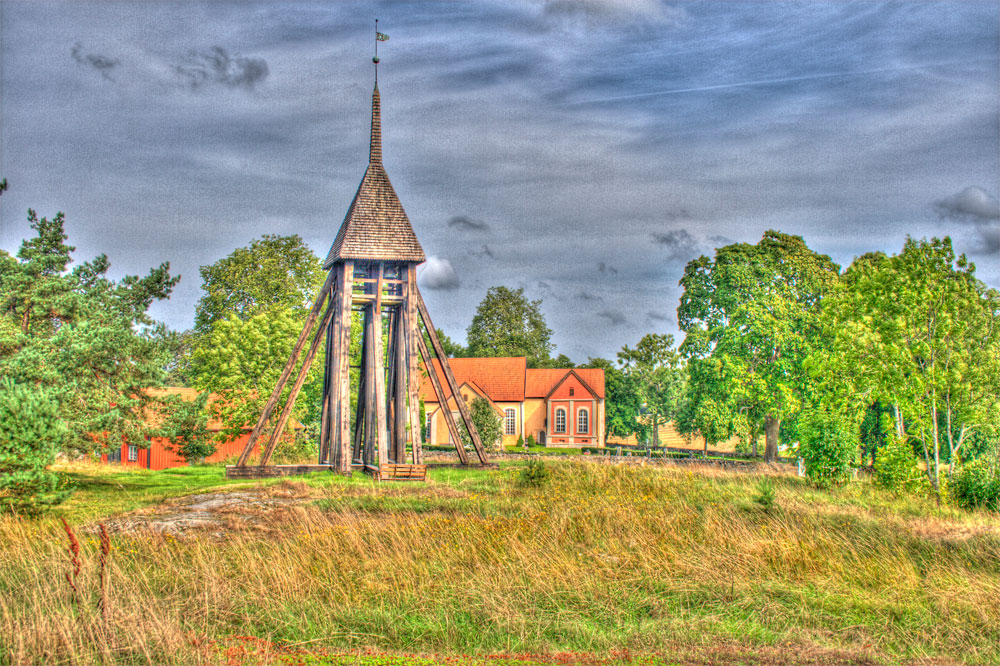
x: 656, y: 373
x: 31, y: 433
x: 827, y: 445
x: 87, y: 340
x: 530, y: 441
x: 895, y: 467
x: 506, y: 323
x: 488, y: 424
x: 766, y: 495
x: 750, y: 317
x: 273, y: 273
x: 241, y: 360
x: 534, y: 474
x: 976, y: 485
x: 451, y: 348
x: 920, y: 333
x: 185, y: 426
x: 622, y: 404
x: 520, y: 441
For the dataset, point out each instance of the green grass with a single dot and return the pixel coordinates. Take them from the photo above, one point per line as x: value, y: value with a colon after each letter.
x: 666, y: 563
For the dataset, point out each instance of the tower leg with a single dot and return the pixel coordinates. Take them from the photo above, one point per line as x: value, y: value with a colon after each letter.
x: 338, y: 401
x: 399, y: 387
x: 413, y: 371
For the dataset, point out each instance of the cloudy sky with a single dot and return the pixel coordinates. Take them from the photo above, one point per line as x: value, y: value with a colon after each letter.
x: 584, y: 150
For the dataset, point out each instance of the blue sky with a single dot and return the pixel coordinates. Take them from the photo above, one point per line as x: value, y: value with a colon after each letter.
x: 584, y: 150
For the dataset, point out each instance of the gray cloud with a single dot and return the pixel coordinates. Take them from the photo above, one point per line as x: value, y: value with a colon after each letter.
x: 606, y: 268
x: 615, y: 12
x: 614, y: 317
x: 463, y: 223
x: 653, y: 315
x: 486, y: 252
x: 438, y: 273
x: 679, y: 243
x: 216, y: 66
x: 587, y: 296
x: 102, y: 64
x: 973, y: 203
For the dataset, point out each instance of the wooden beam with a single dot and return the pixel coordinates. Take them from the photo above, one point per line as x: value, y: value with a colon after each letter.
x: 413, y: 371
x: 265, y: 414
x: 371, y: 396
x: 463, y: 409
x: 286, y: 411
x: 342, y: 371
x: 326, y: 418
x: 443, y: 401
x: 381, y: 429
x: 399, y: 387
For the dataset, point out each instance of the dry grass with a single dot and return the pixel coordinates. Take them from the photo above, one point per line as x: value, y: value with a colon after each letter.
x: 602, y: 558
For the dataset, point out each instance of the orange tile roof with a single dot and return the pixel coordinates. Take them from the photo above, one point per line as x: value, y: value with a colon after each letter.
x: 539, y: 382
x: 502, y: 379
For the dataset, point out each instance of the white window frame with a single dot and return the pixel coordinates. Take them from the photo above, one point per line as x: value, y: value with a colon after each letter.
x: 510, y: 421
x: 560, y: 412
x: 133, y: 453
x: 583, y: 416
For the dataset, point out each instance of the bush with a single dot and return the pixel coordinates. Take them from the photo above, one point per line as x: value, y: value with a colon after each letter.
x: 827, y: 445
x: 534, y: 474
x: 896, y: 467
x: 976, y: 485
x: 765, y: 497
x: 31, y: 433
x: 530, y: 442
x: 520, y: 441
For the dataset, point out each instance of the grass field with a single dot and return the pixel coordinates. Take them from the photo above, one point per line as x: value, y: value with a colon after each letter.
x: 600, y: 565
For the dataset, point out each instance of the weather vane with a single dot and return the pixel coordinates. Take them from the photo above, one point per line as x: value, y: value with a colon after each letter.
x: 379, y: 37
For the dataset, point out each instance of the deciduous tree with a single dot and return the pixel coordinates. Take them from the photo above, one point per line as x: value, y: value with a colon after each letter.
x: 657, y: 370
x: 751, y: 314
x: 506, y: 323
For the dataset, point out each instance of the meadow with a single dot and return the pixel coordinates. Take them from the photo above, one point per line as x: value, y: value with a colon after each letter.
x: 597, y: 564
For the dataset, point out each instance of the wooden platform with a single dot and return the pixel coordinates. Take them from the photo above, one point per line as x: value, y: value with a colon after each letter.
x: 271, y: 471
x: 393, y: 472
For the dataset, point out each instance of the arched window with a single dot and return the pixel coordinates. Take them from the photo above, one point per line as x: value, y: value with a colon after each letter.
x: 509, y: 421
x: 583, y: 421
x: 561, y: 420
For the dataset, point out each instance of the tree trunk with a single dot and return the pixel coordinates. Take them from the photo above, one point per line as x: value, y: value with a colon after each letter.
x: 656, y: 430
x: 771, y: 428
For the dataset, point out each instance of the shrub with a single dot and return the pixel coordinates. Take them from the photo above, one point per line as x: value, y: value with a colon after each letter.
x: 31, y: 433
x: 976, y: 485
x: 534, y: 474
x: 488, y: 425
x: 896, y: 467
x: 520, y: 441
x: 765, y: 497
x: 530, y: 442
x: 827, y: 444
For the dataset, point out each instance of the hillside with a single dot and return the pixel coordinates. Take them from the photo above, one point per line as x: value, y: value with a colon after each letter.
x: 645, y: 565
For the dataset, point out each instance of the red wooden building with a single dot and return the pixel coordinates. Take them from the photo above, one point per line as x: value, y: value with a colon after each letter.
x: 158, y: 453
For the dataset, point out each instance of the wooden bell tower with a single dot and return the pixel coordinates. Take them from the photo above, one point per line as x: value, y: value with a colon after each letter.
x: 372, y: 268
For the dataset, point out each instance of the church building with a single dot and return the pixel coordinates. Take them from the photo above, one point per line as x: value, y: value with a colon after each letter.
x: 559, y: 407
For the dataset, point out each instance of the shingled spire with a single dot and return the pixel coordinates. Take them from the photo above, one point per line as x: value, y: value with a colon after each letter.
x: 376, y: 226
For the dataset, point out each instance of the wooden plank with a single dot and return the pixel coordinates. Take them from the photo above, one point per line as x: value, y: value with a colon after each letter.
x: 289, y: 366
x: 443, y: 401
x: 286, y: 411
x: 463, y: 409
x: 413, y: 369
